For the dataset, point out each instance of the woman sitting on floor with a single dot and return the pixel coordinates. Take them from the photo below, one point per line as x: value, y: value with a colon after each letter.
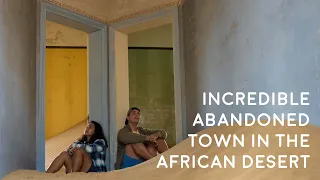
x: 137, y: 144
x: 85, y: 155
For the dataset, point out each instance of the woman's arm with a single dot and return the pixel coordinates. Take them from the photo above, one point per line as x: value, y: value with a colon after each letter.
x: 98, y: 146
x: 74, y: 146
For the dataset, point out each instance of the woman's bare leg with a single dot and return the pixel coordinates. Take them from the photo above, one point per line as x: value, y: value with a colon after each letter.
x: 77, y: 160
x: 63, y: 159
x: 81, y: 161
x: 162, y: 145
x: 87, y: 161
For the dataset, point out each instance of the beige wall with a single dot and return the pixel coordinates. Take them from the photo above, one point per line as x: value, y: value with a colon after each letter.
x: 122, y: 78
x: 59, y: 35
x: 156, y: 37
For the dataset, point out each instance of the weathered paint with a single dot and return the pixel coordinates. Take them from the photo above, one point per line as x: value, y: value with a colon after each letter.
x: 17, y: 85
x: 251, y: 46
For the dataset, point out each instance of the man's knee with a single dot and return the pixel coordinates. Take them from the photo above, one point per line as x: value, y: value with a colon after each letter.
x: 151, y: 145
x: 161, y: 140
x: 128, y: 146
x: 137, y: 145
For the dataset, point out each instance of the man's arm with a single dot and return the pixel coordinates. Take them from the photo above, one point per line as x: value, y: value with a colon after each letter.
x: 162, y: 134
x: 127, y: 137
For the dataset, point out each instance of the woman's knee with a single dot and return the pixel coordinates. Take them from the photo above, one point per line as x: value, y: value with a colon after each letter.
x: 64, y: 154
x: 78, y: 153
x: 84, y: 153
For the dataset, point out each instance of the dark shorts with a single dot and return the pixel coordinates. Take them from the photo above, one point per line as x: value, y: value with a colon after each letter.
x: 129, y: 161
x: 92, y: 168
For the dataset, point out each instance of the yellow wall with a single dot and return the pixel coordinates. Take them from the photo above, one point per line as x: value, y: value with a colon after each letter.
x: 66, y: 89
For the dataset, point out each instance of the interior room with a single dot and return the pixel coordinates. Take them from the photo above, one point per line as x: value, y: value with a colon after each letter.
x: 219, y: 46
x: 151, y: 78
x: 66, y: 88
x: 145, y: 67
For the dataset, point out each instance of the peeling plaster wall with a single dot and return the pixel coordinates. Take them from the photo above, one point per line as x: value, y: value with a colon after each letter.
x: 251, y: 46
x: 60, y: 35
x: 18, y: 85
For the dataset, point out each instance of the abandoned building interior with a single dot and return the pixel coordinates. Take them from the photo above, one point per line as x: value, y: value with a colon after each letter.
x: 65, y: 62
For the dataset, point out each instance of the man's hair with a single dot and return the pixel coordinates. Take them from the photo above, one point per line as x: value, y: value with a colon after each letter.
x: 128, y: 114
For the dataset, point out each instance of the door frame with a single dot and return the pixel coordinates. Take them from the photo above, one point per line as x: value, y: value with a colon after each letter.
x: 178, y: 63
x: 97, y: 70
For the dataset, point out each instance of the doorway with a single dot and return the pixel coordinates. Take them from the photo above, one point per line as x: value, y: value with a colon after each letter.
x: 66, y: 89
x: 151, y: 78
x: 97, y: 72
x: 120, y: 76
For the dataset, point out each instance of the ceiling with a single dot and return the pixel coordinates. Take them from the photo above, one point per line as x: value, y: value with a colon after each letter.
x: 110, y: 11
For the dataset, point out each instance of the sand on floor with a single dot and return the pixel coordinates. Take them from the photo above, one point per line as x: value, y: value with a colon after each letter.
x: 61, y: 142
x: 148, y: 170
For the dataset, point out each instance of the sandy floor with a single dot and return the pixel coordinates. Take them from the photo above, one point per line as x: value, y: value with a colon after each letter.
x: 61, y: 142
x: 149, y: 170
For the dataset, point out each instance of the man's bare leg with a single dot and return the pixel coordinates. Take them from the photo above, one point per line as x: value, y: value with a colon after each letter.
x: 152, y: 150
x: 162, y: 145
x: 130, y: 152
x: 141, y: 151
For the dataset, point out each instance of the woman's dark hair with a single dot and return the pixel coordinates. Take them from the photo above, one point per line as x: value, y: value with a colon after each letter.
x: 98, y: 134
x: 129, y: 111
